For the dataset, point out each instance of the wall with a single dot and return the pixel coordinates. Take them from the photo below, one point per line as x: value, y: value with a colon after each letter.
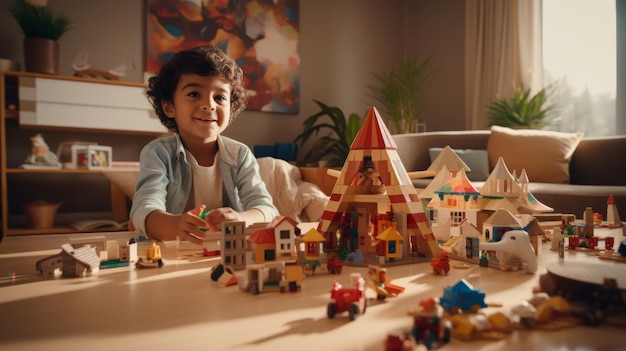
x: 342, y: 43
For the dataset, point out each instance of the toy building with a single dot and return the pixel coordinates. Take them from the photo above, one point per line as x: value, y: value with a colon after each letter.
x: 233, y: 244
x: 373, y: 182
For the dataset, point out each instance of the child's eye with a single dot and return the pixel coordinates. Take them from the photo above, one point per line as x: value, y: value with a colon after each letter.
x: 220, y: 98
x: 193, y: 94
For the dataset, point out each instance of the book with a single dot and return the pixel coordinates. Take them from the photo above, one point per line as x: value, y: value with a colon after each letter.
x: 88, y: 224
x: 40, y: 166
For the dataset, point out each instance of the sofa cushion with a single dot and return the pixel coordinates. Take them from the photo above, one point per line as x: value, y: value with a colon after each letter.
x: 476, y: 160
x: 545, y: 155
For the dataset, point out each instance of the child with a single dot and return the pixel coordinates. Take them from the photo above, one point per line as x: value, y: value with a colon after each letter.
x: 196, y: 95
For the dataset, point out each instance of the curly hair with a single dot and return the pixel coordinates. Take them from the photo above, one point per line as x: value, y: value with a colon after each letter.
x: 201, y: 60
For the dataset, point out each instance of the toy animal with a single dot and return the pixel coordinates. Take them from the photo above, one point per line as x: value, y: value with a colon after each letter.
x: 513, y: 243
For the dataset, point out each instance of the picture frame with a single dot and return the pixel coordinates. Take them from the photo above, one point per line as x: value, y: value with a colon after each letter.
x: 92, y: 157
x: 65, y: 153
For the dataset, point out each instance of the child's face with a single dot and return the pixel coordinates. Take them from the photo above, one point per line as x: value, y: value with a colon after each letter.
x: 201, y: 107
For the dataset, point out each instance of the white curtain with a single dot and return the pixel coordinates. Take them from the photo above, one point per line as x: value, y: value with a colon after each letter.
x: 502, y: 53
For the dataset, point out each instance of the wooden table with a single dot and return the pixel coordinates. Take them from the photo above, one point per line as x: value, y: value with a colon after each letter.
x: 179, y: 307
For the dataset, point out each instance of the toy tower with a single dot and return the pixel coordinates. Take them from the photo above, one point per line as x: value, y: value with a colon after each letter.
x: 612, y: 215
x: 373, y: 181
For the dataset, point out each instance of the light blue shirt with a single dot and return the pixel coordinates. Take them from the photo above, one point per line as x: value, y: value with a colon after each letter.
x: 165, y: 180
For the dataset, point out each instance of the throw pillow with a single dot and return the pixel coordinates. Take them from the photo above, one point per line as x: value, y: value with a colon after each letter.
x: 476, y: 160
x: 545, y: 155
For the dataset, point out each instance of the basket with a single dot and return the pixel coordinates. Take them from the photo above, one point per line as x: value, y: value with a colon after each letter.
x: 41, y: 214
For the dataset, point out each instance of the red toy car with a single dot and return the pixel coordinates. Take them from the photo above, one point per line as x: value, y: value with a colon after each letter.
x: 352, y: 300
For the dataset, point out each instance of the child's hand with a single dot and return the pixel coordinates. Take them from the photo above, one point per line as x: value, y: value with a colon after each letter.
x: 194, y: 226
x: 219, y: 215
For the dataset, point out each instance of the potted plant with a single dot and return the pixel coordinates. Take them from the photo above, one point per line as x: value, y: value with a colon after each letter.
x: 335, y: 146
x: 521, y: 111
x: 42, y: 29
x: 401, y: 93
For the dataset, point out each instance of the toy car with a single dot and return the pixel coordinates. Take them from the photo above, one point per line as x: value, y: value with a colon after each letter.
x: 462, y: 297
x: 153, y: 258
x: 352, y: 299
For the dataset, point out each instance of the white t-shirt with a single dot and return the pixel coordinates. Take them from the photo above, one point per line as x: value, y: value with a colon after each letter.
x: 207, y: 183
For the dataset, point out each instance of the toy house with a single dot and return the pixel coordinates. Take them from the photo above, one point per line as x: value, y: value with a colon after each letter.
x: 312, y: 241
x: 274, y: 242
x: 73, y: 262
x: 389, y: 244
x: 373, y: 181
x: 456, y: 200
x: 467, y: 244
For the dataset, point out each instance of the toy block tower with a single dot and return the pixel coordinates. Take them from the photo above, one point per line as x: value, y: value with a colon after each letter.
x: 612, y: 215
x: 373, y: 181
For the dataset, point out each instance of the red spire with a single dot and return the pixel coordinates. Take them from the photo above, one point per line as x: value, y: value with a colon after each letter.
x: 373, y: 134
x: 611, y: 200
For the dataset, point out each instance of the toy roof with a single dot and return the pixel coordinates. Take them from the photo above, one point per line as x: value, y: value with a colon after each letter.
x: 86, y: 255
x: 280, y: 219
x: 313, y: 235
x: 263, y: 236
x: 440, y: 179
x: 371, y: 136
x: 500, y: 182
x: 503, y: 217
x: 459, y: 185
x: 389, y: 234
x: 450, y: 160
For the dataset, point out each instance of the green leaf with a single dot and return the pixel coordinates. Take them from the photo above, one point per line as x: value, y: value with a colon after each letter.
x: 339, y: 133
x: 521, y: 110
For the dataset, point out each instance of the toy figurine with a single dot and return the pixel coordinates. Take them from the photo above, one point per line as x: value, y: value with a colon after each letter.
x: 428, y: 325
x: 40, y: 153
x: 441, y: 264
x: 377, y: 280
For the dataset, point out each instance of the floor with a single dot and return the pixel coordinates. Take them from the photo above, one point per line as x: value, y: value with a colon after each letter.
x: 180, y: 307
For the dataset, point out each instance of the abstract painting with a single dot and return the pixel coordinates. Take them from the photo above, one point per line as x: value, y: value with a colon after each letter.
x: 261, y: 35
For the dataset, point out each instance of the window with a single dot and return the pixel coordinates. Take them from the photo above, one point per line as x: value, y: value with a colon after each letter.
x: 580, y: 58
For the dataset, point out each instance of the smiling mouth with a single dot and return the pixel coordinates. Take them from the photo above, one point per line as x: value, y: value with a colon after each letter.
x: 206, y: 119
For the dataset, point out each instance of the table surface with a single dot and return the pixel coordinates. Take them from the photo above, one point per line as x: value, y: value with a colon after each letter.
x: 179, y: 306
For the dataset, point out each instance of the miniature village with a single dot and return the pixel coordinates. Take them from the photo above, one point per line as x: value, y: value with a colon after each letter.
x: 376, y: 219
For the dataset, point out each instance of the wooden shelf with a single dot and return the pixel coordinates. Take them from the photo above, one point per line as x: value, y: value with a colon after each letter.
x: 54, y: 170
x: 72, y: 107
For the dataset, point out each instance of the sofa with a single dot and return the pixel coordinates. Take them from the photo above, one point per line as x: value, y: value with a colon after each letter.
x: 572, y: 172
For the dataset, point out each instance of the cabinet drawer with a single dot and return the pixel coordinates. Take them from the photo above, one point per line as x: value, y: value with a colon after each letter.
x: 72, y: 104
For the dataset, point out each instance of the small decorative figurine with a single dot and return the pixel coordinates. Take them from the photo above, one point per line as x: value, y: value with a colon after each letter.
x: 40, y: 154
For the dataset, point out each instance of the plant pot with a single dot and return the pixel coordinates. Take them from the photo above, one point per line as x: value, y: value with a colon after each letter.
x: 41, y: 214
x: 41, y: 55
